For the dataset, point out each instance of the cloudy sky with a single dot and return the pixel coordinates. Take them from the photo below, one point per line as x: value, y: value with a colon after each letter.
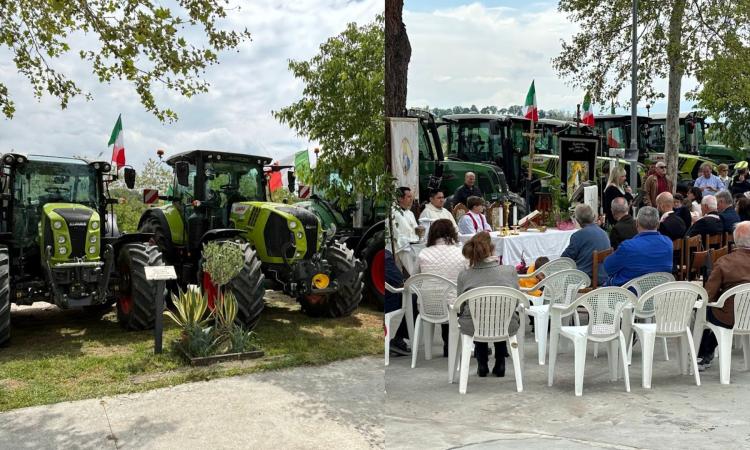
x: 235, y: 114
x: 486, y: 53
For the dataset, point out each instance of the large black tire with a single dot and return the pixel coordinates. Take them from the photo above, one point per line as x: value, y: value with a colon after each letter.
x: 249, y: 290
x: 346, y: 273
x: 137, y: 296
x: 374, y: 255
x: 4, y: 296
x: 161, y: 236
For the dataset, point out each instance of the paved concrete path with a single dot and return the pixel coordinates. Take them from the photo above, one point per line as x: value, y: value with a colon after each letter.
x: 424, y: 411
x: 335, y: 406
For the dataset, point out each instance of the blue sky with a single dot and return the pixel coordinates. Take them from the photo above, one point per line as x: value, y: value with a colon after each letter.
x: 487, y: 53
x: 234, y: 115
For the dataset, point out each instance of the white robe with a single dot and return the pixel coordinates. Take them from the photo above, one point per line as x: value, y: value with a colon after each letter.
x: 430, y: 212
x: 467, y: 226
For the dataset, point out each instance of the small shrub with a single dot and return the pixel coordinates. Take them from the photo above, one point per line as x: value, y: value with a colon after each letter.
x: 223, y: 261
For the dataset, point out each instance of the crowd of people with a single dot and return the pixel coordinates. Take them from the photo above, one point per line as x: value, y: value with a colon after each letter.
x: 713, y: 205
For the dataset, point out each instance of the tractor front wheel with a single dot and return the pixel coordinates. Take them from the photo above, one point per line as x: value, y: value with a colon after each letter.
x: 374, y: 255
x: 347, y: 275
x: 4, y: 296
x: 248, y: 289
x: 136, y: 302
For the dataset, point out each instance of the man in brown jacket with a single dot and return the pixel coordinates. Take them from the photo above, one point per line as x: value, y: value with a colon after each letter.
x: 656, y: 184
x: 728, y: 272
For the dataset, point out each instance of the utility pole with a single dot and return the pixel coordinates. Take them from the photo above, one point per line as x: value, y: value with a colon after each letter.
x: 632, y: 154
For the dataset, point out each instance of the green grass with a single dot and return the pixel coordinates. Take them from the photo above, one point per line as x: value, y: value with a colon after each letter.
x: 58, y: 356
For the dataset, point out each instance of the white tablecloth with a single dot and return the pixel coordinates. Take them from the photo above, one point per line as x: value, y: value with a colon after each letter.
x: 528, y: 244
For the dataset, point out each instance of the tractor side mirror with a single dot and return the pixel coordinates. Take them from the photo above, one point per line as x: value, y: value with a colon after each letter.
x: 129, y: 174
x: 182, y: 170
x: 292, y: 180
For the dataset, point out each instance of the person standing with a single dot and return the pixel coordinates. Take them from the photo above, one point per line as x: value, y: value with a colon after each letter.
x: 584, y: 241
x: 708, y: 183
x: 469, y: 189
x: 616, y: 188
x: 725, y: 207
x: 624, y: 227
x: 671, y: 224
x: 434, y: 209
x: 474, y: 221
x: 657, y: 183
x: 485, y: 270
x: 724, y: 175
x: 404, y: 232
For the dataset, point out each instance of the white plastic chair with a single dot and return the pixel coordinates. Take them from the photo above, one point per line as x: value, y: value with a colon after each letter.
x: 392, y: 321
x: 492, y: 310
x: 559, y: 288
x: 641, y: 285
x: 673, y: 305
x: 547, y: 269
x: 741, y: 328
x: 604, y: 306
x: 433, y: 293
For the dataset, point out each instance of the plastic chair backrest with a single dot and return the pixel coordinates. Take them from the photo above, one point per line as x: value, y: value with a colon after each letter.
x: 556, y: 286
x: 673, y: 304
x: 741, y: 294
x: 645, y: 283
x: 432, y: 292
x: 492, y: 309
x: 556, y: 265
x: 392, y: 289
x: 604, y: 306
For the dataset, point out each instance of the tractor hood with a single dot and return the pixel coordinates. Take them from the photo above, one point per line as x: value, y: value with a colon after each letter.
x: 71, y: 230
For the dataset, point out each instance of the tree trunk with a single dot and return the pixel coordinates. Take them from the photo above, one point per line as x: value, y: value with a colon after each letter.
x: 676, y: 71
x: 397, y: 56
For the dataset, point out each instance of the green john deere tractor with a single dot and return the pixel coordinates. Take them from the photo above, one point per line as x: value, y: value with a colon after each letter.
x: 58, y: 243
x: 222, y: 196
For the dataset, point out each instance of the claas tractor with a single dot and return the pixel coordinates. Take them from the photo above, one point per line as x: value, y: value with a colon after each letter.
x: 58, y: 243
x: 222, y: 195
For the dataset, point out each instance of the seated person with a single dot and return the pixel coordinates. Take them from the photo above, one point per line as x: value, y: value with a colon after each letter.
x: 670, y: 224
x: 584, y: 241
x: 725, y: 207
x: 532, y: 281
x: 474, y: 221
x: 434, y: 209
x: 624, y: 225
x: 710, y: 222
x: 395, y: 278
x: 647, y: 252
x: 728, y: 272
x: 682, y: 211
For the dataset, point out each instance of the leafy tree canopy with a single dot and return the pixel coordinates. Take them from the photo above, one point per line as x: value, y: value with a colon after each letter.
x: 342, y: 108
x: 513, y: 110
x: 139, y: 41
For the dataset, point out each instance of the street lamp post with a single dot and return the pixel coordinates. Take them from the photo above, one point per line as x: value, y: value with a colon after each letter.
x: 633, y: 151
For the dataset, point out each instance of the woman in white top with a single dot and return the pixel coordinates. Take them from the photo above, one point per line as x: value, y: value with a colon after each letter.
x: 695, y: 196
x: 434, y: 209
x: 474, y: 221
x: 443, y: 257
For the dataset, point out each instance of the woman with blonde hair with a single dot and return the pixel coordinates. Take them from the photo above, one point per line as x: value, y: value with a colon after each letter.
x: 616, y: 187
x: 484, y: 270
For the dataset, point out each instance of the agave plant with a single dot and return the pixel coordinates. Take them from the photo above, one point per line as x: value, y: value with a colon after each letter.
x: 225, y: 311
x: 190, y: 309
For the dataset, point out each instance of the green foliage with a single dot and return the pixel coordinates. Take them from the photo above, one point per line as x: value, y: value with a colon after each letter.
x: 225, y: 311
x: 140, y: 41
x: 283, y: 196
x: 560, y: 202
x: 200, y: 342
x: 241, y: 340
x: 223, y: 261
x: 513, y: 110
x: 190, y: 309
x: 342, y: 108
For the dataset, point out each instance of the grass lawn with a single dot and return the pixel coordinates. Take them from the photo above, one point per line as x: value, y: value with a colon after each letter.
x: 58, y: 355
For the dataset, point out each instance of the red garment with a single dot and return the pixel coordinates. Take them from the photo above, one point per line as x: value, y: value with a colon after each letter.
x: 661, y: 185
x: 476, y: 225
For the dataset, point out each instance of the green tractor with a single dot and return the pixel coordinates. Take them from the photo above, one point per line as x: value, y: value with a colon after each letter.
x: 222, y: 196
x: 58, y: 243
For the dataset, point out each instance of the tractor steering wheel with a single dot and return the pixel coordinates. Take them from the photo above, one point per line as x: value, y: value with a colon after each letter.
x: 56, y: 190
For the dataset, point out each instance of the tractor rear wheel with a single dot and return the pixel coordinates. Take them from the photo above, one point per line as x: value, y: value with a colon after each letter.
x: 137, y: 296
x: 374, y: 255
x: 4, y: 296
x: 161, y: 236
x: 248, y: 289
x: 347, y: 275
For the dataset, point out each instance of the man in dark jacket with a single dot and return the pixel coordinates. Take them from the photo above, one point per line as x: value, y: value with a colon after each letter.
x: 624, y: 227
x: 670, y: 224
x: 469, y: 189
x: 725, y: 206
x: 710, y: 223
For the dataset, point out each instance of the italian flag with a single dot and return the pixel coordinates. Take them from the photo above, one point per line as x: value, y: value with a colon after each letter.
x: 529, y: 107
x: 588, y: 113
x: 118, y: 151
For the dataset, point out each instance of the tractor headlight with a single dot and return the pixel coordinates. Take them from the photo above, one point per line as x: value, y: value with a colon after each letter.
x: 92, y: 239
x: 8, y: 159
x: 97, y: 166
x: 57, y: 224
x: 62, y: 250
x: 92, y: 250
x: 298, y: 255
x: 95, y: 225
x: 292, y: 225
x: 61, y: 240
x: 19, y: 160
x: 299, y: 235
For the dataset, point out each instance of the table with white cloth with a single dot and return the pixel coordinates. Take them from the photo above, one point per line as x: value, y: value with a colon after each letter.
x: 528, y: 245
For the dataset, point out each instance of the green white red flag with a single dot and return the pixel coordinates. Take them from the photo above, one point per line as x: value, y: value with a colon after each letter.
x: 118, y: 151
x: 588, y: 111
x: 529, y: 107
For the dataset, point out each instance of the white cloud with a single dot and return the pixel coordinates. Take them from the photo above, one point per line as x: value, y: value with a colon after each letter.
x: 234, y: 115
x: 474, y: 54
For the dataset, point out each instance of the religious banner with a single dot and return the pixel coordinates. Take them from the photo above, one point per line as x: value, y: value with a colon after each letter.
x: 577, y: 161
x: 405, y: 152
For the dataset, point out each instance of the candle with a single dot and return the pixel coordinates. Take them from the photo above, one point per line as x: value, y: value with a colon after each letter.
x: 501, y: 216
x: 515, y: 215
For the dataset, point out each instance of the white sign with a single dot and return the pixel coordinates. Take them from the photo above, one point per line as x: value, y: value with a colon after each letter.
x: 405, y: 152
x: 156, y: 273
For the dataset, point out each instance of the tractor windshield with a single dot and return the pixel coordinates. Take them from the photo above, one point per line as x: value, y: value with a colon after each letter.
x: 233, y: 181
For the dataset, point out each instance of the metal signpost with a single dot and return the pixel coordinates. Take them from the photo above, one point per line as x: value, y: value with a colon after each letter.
x: 159, y: 273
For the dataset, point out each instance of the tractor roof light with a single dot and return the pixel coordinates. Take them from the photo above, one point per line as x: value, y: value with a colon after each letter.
x: 300, y: 235
x: 292, y: 225
x: 107, y: 167
x: 61, y: 239
x: 57, y: 224
x: 97, y: 166
x: 62, y: 250
x: 95, y: 225
x: 8, y: 159
x: 92, y: 250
